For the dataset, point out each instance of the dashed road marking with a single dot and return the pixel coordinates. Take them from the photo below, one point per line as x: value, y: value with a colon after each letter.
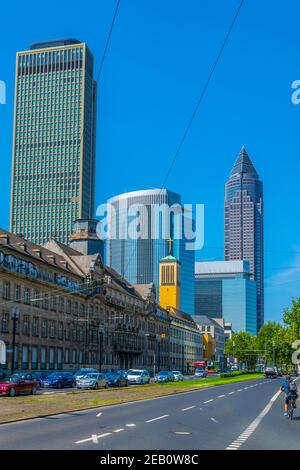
x: 214, y: 420
x: 231, y: 393
x: 130, y: 425
x: 188, y: 408
x: 182, y: 432
x: 208, y: 401
x: 98, y: 415
x: 221, y: 396
x: 119, y: 430
x: 252, y: 427
x: 156, y: 419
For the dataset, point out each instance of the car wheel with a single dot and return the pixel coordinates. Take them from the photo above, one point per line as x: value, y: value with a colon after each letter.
x: 12, y: 392
x: 33, y: 391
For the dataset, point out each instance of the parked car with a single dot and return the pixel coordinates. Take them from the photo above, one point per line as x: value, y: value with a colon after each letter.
x: 18, y: 384
x: 59, y: 380
x: 39, y: 375
x: 117, y: 379
x: 178, y: 376
x: 2, y: 374
x: 271, y: 372
x: 200, y: 373
x: 164, y: 376
x: 83, y: 371
x: 294, y: 373
x: 136, y: 376
x: 93, y: 380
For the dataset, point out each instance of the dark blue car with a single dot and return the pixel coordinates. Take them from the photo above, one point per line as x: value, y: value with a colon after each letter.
x: 59, y: 380
x: 117, y: 379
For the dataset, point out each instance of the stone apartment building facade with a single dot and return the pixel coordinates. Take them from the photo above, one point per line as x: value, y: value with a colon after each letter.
x: 75, y: 312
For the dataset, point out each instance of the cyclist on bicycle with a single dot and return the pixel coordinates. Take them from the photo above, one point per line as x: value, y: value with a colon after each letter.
x: 289, y: 388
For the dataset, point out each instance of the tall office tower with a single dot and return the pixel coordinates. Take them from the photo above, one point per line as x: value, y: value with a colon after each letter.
x: 226, y: 290
x: 243, y: 231
x: 54, y: 140
x: 137, y: 260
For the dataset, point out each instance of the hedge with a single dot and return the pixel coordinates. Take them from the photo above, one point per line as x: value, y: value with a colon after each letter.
x: 238, y: 372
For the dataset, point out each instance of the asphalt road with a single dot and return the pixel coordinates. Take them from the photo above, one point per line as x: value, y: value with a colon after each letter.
x: 245, y: 415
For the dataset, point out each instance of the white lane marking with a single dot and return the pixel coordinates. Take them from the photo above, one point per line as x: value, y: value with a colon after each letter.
x: 94, y: 438
x: 221, y: 396
x: 98, y: 415
x: 182, y: 432
x: 119, y: 430
x: 208, y: 401
x: 130, y: 425
x: 255, y: 423
x: 231, y: 393
x: 155, y: 419
x: 214, y: 420
x: 246, y: 388
x: 189, y: 408
x: 240, y: 390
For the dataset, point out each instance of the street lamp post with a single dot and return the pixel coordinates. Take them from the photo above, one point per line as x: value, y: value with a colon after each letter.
x: 101, y: 332
x: 14, y: 316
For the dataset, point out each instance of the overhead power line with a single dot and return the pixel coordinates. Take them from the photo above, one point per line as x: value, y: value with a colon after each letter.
x: 203, y: 92
x: 196, y: 109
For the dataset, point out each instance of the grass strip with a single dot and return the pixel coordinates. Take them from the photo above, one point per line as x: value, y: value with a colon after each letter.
x: 26, y: 407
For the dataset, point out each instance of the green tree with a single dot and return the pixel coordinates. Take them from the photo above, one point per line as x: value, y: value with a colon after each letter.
x: 243, y: 346
x: 291, y: 318
x: 274, y: 342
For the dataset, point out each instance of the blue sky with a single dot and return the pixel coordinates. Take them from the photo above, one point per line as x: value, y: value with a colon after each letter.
x: 158, y: 60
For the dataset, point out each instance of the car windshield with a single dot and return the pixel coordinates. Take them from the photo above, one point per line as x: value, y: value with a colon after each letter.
x: 13, y: 378
x: 176, y: 372
x: 55, y: 376
x: 91, y: 376
x: 84, y: 372
x: 163, y: 373
x: 135, y: 372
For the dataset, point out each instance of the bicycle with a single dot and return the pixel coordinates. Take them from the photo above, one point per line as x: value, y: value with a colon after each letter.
x: 291, y: 407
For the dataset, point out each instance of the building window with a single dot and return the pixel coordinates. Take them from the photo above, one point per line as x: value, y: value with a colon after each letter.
x: 44, y: 328
x: 27, y: 296
x: 60, y: 330
x: 51, y: 358
x: 67, y: 356
x: 43, y: 358
x: 52, y: 329
x: 59, y: 358
x: 26, y: 325
x: 17, y: 293
x: 24, y: 357
x: 4, y: 323
x: 35, y: 327
x: 6, y: 291
x: 67, y: 332
x: 74, y: 356
x: 34, y: 357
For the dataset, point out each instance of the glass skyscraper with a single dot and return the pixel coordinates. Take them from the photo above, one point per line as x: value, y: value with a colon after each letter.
x: 243, y: 230
x: 226, y: 289
x: 54, y: 140
x: 137, y: 260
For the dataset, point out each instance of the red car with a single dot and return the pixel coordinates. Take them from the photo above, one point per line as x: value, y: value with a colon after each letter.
x: 18, y: 384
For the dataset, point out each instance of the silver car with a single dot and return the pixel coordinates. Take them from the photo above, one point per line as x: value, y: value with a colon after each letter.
x: 177, y: 375
x: 93, y: 381
x: 136, y: 376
